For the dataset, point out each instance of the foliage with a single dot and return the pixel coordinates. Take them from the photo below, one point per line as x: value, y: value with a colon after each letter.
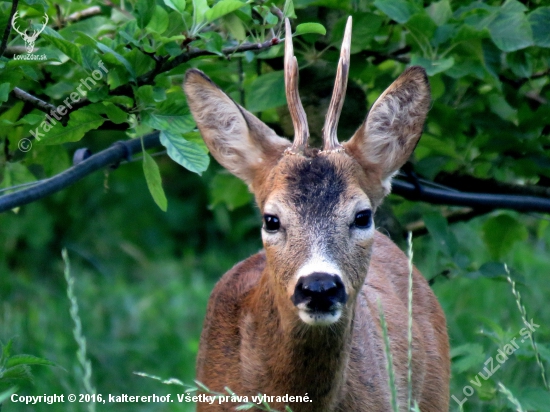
x: 16, y: 370
x: 144, y: 275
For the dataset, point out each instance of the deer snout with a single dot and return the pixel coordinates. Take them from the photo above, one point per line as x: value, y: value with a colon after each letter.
x: 319, y: 293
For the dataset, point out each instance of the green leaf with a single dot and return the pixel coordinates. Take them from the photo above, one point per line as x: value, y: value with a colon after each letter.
x: 81, y: 121
x: 510, y: 30
x: 433, y: 66
x: 469, y: 356
x: 144, y: 10
x: 222, y: 8
x: 154, y: 181
x: 540, y: 23
x: 4, y: 92
x: 17, y: 373
x: 27, y: 360
x: 229, y: 190
x: 440, y: 12
x: 501, y: 232
x: 365, y: 27
x: 169, y: 117
x: 236, y: 27
x: 200, y: 8
x: 15, y: 174
x: 213, y: 42
x: 68, y: 48
x: 502, y: 108
x: 106, y: 49
x: 306, y: 28
x: 187, y: 154
x: 266, y: 92
x: 398, y: 10
x: 159, y: 21
x: 520, y: 63
x: 115, y: 113
x: 288, y: 9
x: 178, y: 5
x: 439, y: 230
x: 7, y: 394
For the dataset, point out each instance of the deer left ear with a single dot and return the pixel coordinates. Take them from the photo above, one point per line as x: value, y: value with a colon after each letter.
x: 393, y: 126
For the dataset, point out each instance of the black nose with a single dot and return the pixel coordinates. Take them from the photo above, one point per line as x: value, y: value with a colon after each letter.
x: 320, y: 292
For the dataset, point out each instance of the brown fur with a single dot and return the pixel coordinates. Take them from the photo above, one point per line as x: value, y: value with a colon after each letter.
x: 253, y: 340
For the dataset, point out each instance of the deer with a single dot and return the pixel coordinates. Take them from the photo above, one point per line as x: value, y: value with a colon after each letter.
x: 29, y: 40
x: 302, y: 316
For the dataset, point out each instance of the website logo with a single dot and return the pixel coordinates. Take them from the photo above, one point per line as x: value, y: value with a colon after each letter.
x: 28, y: 39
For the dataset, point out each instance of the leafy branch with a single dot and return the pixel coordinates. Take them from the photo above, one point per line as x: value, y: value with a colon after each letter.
x: 148, y: 78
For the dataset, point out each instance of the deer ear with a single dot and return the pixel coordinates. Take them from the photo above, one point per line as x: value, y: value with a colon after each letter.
x: 238, y: 140
x: 393, y: 126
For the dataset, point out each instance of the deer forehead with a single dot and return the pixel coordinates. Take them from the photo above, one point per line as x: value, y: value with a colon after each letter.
x: 316, y: 188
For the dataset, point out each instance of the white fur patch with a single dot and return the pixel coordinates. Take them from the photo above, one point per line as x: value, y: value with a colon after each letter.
x: 319, y: 319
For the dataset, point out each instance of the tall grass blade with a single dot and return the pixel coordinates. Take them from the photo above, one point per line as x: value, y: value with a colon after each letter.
x: 389, y: 359
x: 77, y: 332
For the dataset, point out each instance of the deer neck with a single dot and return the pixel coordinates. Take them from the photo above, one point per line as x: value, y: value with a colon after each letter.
x: 292, y: 357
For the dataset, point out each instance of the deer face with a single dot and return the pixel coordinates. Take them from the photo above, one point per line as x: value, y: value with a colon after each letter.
x: 317, y: 206
x: 317, y: 233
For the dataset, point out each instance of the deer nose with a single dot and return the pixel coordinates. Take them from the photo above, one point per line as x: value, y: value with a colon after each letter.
x: 320, y: 292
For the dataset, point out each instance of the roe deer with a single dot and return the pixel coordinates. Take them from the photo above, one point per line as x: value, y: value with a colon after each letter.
x: 302, y: 316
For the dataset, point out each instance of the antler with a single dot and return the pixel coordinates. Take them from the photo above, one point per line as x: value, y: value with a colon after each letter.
x: 330, y: 139
x: 37, y: 32
x: 299, y: 119
x: 15, y: 17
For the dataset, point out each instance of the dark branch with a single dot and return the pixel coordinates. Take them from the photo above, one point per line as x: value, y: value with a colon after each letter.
x: 7, y: 30
x: 33, y: 100
x: 114, y: 154
x: 451, y: 197
x: 477, y: 185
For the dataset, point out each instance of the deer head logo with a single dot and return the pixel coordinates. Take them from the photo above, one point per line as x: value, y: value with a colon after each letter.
x: 29, y: 40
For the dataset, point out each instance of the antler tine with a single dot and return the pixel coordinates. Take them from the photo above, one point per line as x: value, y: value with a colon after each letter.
x: 330, y: 138
x: 37, y: 32
x: 15, y: 17
x: 299, y: 119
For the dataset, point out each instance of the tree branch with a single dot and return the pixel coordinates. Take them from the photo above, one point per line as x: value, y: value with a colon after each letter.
x: 7, y: 30
x: 33, y: 100
x: 440, y: 196
x: 148, y: 78
x: 113, y: 155
x: 418, y: 192
x: 477, y: 185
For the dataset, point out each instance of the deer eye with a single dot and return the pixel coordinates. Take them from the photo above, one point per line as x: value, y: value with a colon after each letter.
x: 363, y: 219
x: 271, y: 223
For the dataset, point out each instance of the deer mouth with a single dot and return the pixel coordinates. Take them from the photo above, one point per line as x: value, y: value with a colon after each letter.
x: 319, y: 318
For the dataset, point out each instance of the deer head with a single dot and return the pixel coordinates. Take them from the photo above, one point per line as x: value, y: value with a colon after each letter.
x: 29, y: 40
x: 317, y: 205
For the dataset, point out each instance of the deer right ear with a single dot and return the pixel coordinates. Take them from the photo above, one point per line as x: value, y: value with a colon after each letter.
x: 238, y: 140
x: 393, y: 126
